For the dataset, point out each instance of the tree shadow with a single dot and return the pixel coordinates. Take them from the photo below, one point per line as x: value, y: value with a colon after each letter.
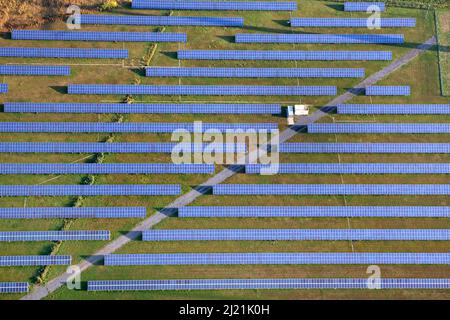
x: 132, y: 235
x: 96, y: 260
x: 204, y: 190
x: 139, y: 71
x: 168, y: 212
x: 60, y: 89
x: 230, y: 39
x: 329, y: 109
x: 337, y: 7
x: 170, y: 54
x: 2, y: 108
x: 5, y: 35
x: 300, y: 128
x: 356, y: 91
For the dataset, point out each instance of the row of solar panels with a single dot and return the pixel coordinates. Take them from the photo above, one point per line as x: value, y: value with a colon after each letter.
x: 283, y: 55
x: 353, y: 22
x: 64, y: 53
x: 105, y: 168
x: 362, y: 147
x: 296, y: 235
x: 388, y: 91
x: 73, y: 213
x: 78, y: 235
x: 14, y: 287
x: 3, y: 88
x: 129, y: 127
x: 379, y: 128
x: 262, y: 284
x: 332, y: 189
x: 23, y: 70
x: 214, y: 5
x: 364, y: 6
x: 321, y: 38
x: 42, y: 260
x: 393, y: 109
x: 226, y: 108
x: 255, y: 72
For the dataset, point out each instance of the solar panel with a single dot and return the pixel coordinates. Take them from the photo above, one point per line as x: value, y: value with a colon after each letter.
x: 352, y: 22
x: 64, y: 53
x: 13, y: 287
x: 73, y: 213
x: 393, y: 109
x: 246, y: 284
x: 3, y: 88
x: 162, y: 20
x: 295, y: 234
x: 34, y: 70
x: 137, y: 127
x: 214, y: 5
x: 363, y: 6
x: 13, y: 261
x: 363, y: 148
x: 388, y: 91
x: 89, y: 190
x: 351, y: 168
x: 283, y: 55
x: 332, y: 189
x: 54, y: 235
x: 98, y: 36
x: 321, y: 38
x: 314, y: 212
x: 201, y: 90
x: 379, y: 128
x: 358, y: 258
x: 105, y: 168
x: 182, y: 108
x: 255, y: 72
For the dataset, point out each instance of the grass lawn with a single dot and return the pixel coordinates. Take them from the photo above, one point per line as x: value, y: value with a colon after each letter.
x: 443, y: 31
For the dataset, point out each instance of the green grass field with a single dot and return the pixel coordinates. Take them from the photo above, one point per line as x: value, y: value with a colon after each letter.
x: 422, y: 75
x: 443, y: 29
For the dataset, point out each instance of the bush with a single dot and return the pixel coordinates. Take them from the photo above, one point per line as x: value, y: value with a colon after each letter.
x: 108, y: 5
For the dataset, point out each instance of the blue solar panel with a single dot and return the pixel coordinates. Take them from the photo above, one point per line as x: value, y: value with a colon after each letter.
x: 363, y: 148
x: 91, y: 190
x: 34, y: 70
x: 351, y: 168
x: 201, y: 90
x: 283, y: 55
x: 63, y: 53
x: 276, y: 258
x: 13, y: 287
x: 214, y: 5
x: 12, y: 261
x: 352, y: 22
x: 321, y: 38
x: 332, y: 189
x: 315, y: 211
x: 105, y: 168
x: 225, y: 108
x: 73, y: 213
x: 255, y: 72
x: 363, y: 6
x: 98, y: 36
x: 3, y: 88
x: 246, y: 284
x: 393, y: 108
x: 128, y: 127
x: 388, y: 91
x: 54, y: 235
x: 162, y: 20
x: 379, y: 128
x: 296, y: 234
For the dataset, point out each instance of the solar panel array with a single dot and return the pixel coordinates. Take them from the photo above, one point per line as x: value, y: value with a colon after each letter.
x: 34, y: 70
x: 105, y: 168
x: 276, y: 258
x: 98, y: 36
x: 379, y: 128
x: 321, y: 38
x: 73, y: 213
x: 162, y: 20
x: 3, y: 88
x: 54, y: 235
x: 388, y: 91
x: 314, y: 211
x: 255, y: 72
x: 363, y: 6
x: 305, y: 283
x: 351, y: 168
x: 283, y: 55
x: 138, y: 127
x: 214, y: 5
x: 89, y: 190
x: 227, y: 108
x: 393, y: 109
x: 116, y: 147
x: 332, y: 189
x: 13, y: 287
x: 363, y: 148
x: 296, y: 234
x: 12, y: 261
x: 201, y: 90
x: 353, y: 22
x: 63, y: 53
